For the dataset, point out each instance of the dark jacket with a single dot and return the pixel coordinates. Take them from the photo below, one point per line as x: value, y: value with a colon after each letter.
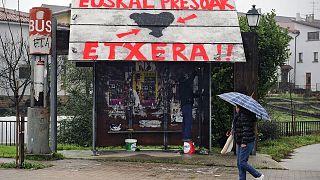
x: 186, y: 90
x: 243, y: 127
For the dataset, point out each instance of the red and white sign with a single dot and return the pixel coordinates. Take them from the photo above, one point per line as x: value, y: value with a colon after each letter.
x: 155, y: 30
x: 40, y: 29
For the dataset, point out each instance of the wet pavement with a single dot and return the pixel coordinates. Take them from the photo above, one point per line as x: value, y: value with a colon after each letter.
x: 306, y: 158
x: 75, y: 169
x: 114, y: 165
x: 95, y: 170
x: 229, y: 160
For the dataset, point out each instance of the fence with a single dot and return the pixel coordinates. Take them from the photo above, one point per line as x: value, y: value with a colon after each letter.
x: 8, y: 132
x: 314, y: 87
x: 300, y: 128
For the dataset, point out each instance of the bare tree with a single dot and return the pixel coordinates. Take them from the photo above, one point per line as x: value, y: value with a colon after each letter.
x: 13, y: 54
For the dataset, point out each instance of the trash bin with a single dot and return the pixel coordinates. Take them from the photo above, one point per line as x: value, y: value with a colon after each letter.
x: 188, y: 147
x: 131, y: 144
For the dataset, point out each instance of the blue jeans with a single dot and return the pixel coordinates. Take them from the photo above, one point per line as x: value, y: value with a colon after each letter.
x: 242, y: 162
x: 187, y: 122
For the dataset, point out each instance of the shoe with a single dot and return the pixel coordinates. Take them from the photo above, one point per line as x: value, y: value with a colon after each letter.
x: 260, y: 178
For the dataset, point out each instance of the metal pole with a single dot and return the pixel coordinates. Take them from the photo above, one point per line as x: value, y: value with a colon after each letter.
x: 210, y: 108
x: 166, y: 108
x: 53, y: 87
x: 45, y: 81
x: 16, y: 94
x: 21, y: 143
x: 94, y: 150
x: 32, y: 58
x: 295, y: 58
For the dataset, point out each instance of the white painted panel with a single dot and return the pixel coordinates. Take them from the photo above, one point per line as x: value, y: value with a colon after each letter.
x: 40, y: 44
x: 211, y: 26
x: 121, y: 52
x: 122, y: 17
x: 157, y: 4
x: 84, y: 33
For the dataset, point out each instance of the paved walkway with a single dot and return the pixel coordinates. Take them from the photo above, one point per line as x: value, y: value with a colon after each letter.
x: 73, y: 169
x: 306, y: 158
x: 107, y: 166
x: 260, y: 161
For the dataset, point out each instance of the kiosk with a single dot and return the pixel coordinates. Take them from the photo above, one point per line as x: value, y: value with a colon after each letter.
x: 139, y: 49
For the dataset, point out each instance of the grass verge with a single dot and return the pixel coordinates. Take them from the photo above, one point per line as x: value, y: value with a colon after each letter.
x: 10, y: 152
x: 283, y: 147
x: 26, y: 165
x: 282, y: 116
x: 62, y: 147
x: 7, y: 151
x: 45, y: 157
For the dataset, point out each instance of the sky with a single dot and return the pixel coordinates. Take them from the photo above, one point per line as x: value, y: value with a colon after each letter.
x: 282, y: 7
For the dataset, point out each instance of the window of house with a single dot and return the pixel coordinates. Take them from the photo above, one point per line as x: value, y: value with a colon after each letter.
x: 300, y: 58
x: 315, y: 57
x: 313, y: 36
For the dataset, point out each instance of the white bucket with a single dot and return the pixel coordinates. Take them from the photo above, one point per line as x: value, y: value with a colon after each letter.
x: 188, y: 147
x: 131, y: 144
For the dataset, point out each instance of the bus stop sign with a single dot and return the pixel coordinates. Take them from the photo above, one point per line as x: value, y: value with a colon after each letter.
x: 40, y: 28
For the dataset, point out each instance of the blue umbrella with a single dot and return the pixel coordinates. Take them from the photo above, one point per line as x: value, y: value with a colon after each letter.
x: 247, y: 102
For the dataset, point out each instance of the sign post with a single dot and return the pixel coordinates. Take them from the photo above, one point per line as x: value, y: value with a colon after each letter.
x: 40, y: 29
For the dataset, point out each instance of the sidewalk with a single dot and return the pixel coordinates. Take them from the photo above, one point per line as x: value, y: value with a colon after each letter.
x: 260, y: 161
x: 169, y: 165
x: 73, y: 169
x: 305, y: 158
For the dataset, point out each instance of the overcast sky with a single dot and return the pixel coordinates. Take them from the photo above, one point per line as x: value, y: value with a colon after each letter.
x: 282, y: 7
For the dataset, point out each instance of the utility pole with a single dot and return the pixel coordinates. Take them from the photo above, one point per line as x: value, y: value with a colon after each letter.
x: 53, y: 87
x: 291, y: 105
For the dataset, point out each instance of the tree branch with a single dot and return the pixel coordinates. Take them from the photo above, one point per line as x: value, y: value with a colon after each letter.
x: 14, y: 52
x: 9, y: 26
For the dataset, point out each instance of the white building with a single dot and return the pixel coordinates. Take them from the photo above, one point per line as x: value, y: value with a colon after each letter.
x: 11, y: 17
x: 10, y: 21
x: 12, y: 31
x: 305, y: 49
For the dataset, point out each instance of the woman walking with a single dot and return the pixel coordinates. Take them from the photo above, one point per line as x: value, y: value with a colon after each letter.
x: 244, y: 133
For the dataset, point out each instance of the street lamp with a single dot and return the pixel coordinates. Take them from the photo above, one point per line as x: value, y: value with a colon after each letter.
x: 253, y: 17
